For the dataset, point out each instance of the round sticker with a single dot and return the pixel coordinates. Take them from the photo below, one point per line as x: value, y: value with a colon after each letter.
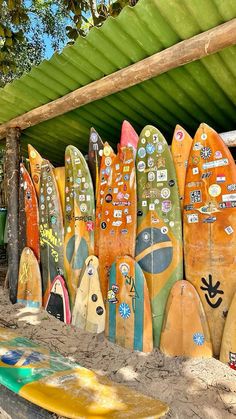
x: 164, y: 230
x: 108, y: 161
x: 141, y: 152
x: 179, y: 135
x: 141, y: 166
x: 147, y: 133
x: 165, y: 193
x: 100, y: 153
x: 99, y: 310
x: 124, y: 268
x: 83, y: 207
x: 33, y: 154
x: 94, y: 296
x: 151, y: 176
x: 108, y: 198
x: 94, y: 137
x: 106, y: 151
x: 146, y: 237
x: 103, y: 225
x: 140, y: 213
x: 150, y: 162
x: 205, y: 153
x: 203, y: 136
x: 214, y: 190
x: 218, y: 155
x: 172, y: 223
x: 53, y: 219
x: 143, y: 141
x: 171, y: 183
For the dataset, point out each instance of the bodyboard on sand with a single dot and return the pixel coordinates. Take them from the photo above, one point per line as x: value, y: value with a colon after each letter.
x: 29, y: 290
x: 210, y: 227
x: 89, y: 311
x: 129, y: 316
x: 61, y: 386
x: 159, y: 233
x: 58, y: 304
x: 185, y: 331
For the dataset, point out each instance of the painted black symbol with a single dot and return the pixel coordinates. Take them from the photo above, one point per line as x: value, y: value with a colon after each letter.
x: 103, y: 225
x: 133, y: 291
x: 171, y: 182
x: 140, y: 213
x: 212, y: 291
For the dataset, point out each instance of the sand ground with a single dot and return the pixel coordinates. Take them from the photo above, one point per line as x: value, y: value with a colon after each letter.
x: 193, y: 388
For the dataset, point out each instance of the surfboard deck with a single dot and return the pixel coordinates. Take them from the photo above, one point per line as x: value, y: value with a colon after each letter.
x: 31, y: 212
x: 118, y: 213
x: 210, y: 227
x: 129, y: 137
x: 180, y: 149
x: 94, y: 157
x: 35, y: 167
x: 79, y: 217
x: 59, y: 173
x: 51, y: 229
x: 185, y: 330
x: 105, y: 170
x: 58, y: 304
x: 129, y: 316
x: 61, y: 386
x: 228, y: 344
x: 89, y: 310
x: 159, y: 227
x: 29, y: 291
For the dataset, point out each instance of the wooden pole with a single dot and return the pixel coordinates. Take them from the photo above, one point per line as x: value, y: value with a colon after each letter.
x: 12, y: 175
x: 180, y: 54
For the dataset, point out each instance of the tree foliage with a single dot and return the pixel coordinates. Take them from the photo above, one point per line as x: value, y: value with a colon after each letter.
x: 28, y: 26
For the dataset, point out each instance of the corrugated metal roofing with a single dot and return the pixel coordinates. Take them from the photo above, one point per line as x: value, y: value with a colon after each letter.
x: 204, y: 90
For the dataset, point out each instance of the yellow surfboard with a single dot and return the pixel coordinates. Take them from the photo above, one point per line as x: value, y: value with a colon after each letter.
x: 228, y: 344
x: 180, y: 149
x: 89, y: 311
x: 59, y: 173
x: 185, y: 331
x: 35, y: 167
x: 55, y: 383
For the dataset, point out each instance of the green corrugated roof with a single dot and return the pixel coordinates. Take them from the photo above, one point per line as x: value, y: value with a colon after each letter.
x: 204, y: 90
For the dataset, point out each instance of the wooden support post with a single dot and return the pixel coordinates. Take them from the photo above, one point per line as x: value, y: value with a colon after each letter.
x: 12, y: 175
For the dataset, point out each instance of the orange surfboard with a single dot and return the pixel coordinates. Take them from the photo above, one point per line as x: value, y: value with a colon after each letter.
x: 129, y: 316
x: 35, y: 166
x: 59, y: 173
x: 185, y: 330
x: 210, y: 227
x: 31, y: 212
x: 180, y: 149
x: 119, y: 213
x: 29, y: 290
x: 108, y: 157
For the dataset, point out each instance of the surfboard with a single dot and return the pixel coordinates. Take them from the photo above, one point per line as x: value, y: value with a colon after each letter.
x: 94, y: 157
x: 210, y: 227
x: 29, y: 291
x: 89, y: 311
x: 129, y: 317
x: 180, y: 149
x: 185, y: 330
x: 61, y: 386
x: 31, y: 212
x: 79, y: 217
x: 59, y: 173
x: 58, y: 304
x: 129, y: 137
x: 108, y: 157
x: 51, y: 229
x: 22, y: 216
x: 228, y: 344
x: 119, y: 213
x: 35, y: 167
x: 159, y: 228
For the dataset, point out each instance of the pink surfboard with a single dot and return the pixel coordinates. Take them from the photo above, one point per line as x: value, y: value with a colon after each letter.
x: 58, y: 304
x: 129, y: 137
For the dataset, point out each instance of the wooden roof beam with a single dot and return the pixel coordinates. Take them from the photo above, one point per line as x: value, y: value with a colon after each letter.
x: 184, y: 52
